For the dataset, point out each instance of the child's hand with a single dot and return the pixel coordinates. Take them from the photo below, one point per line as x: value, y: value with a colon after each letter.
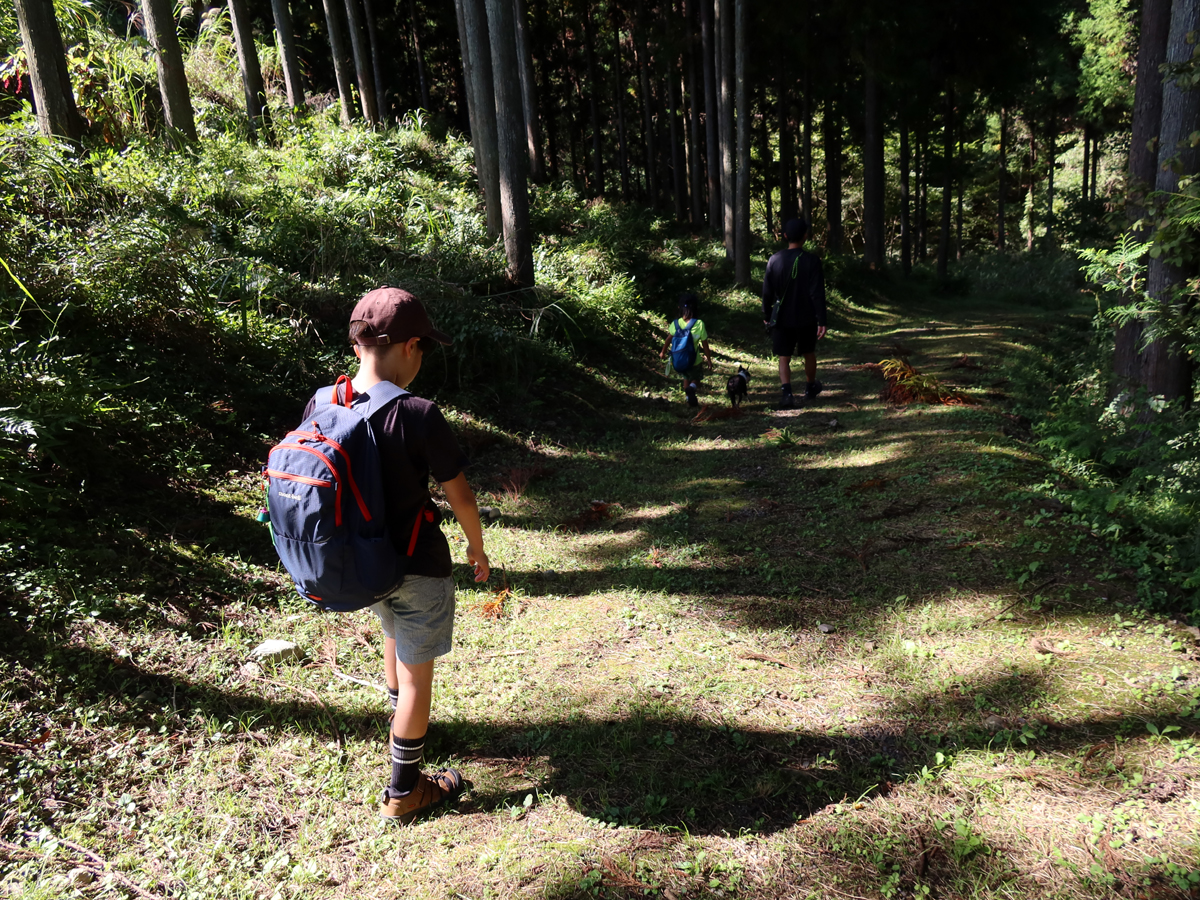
x: 477, y: 558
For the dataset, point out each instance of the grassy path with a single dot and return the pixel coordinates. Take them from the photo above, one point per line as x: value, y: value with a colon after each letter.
x: 855, y: 657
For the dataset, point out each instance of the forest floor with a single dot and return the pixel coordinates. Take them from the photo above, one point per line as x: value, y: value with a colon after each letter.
x: 841, y: 651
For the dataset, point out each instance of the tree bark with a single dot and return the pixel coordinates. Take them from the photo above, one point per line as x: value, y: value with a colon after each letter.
x: 57, y: 114
x: 172, y: 79
x: 905, y: 201
x: 622, y: 144
x: 533, y: 125
x: 1147, y: 103
x: 831, y: 127
x: 1165, y: 368
x: 285, y: 37
x: 341, y: 66
x: 725, y: 72
x: 712, y: 154
x: 643, y: 64
x: 362, y: 62
x: 1085, y: 193
x: 1097, y: 146
x: 1051, y: 165
x: 1003, y: 178
x: 418, y: 53
x: 873, y: 169
x: 787, y: 200
x: 764, y: 155
x: 943, y: 260
x: 514, y: 153
x: 375, y: 53
x: 741, y: 254
x: 922, y: 196
x: 247, y: 54
x: 481, y: 101
x: 806, y: 156
x: 678, y: 175
x: 593, y: 91
x: 695, y: 170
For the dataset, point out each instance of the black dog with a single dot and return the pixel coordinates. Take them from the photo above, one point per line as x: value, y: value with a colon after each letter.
x: 736, y: 386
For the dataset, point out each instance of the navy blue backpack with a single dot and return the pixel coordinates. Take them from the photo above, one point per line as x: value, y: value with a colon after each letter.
x: 683, y: 348
x: 326, y: 506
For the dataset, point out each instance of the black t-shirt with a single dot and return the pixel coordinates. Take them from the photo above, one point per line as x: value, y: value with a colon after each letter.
x: 415, y: 442
x: 803, y: 296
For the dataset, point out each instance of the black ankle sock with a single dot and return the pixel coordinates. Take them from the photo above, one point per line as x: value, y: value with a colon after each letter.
x: 393, y: 696
x: 406, y: 762
x: 786, y: 388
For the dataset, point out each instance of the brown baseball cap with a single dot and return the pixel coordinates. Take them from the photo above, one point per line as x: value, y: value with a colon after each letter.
x: 393, y: 316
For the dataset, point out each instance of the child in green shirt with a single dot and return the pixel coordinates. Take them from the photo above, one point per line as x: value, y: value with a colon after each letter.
x: 682, y: 362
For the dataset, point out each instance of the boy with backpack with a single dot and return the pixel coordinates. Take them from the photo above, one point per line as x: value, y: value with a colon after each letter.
x: 391, y: 332
x: 685, y: 334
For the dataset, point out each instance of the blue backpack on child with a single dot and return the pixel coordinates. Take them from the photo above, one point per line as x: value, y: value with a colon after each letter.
x: 325, y: 502
x: 683, y: 348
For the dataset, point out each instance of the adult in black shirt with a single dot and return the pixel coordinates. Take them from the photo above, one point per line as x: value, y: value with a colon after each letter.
x: 794, y: 280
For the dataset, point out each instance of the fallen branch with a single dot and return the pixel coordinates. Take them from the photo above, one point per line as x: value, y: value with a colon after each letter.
x: 98, y: 862
x: 762, y: 657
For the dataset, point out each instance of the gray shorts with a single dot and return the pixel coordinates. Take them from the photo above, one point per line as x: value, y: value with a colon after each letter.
x: 420, y: 616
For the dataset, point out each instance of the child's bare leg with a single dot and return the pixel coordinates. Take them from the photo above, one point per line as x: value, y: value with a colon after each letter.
x: 415, y: 698
x: 389, y: 663
x: 810, y: 367
x: 785, y: 369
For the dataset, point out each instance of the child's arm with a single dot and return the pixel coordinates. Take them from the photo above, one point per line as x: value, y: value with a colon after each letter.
x: 707, y: 353
x: 462, y: 500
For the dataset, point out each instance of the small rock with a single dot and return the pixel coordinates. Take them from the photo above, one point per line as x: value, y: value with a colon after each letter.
x: 276, y: 651
x: 80, y: 877
x: 251, y: 670
x: 489, y: 514
x: 825, y: 628
x: 833, y: 424
x: 146, y: 697
x: 869, y: 646
x: 994, y: 723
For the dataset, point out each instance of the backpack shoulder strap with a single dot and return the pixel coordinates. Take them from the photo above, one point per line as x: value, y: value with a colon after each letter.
x: 366, y: 403
x: 377, y: 397
x: 688, y: 330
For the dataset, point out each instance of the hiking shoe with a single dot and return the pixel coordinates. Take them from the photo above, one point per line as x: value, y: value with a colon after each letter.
x: 812, y: 389
x: 692, y: 401
x: 787, y: 402
x: 430, y: 792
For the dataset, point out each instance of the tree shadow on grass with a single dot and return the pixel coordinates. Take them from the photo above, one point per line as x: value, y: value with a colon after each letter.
x: 664, y: 765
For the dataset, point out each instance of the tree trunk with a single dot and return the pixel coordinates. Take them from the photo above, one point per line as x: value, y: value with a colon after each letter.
x: 643, y: 64
x: 922, y: 196
x: 943, y: 260
x: 1051, y: 165
x: 172, y: 79
x: 362, y: 62
x: 831, y: 127
x: 741, y: 253
x: 1143, y: 162
x: 418, y: 53
x: 481, y: 100
x: 678, y: 176
x: 764, y: 155
x: 533, y: 125
x: 1084, y: 192
x: 514, y: 153
x: 712, y: 154
x: 57, y: 114
x: 1097, y: 144
x: 1165, y: 367
x: 285, y: 37
x: 1003, y: 174
x: 1031, y: 199
x: 1147, y: 103
x: 375, y: 53
x: 593, y: 91
x: 622, y: 144
x: 873, y: 169
x: 695, y: 170
x: 247, y: 54
x: 787, y: 200
x: 806, y: 177
x: 341, y: 55
x: 958, y: 212
x: 726, y: 74
x: 905, y: 202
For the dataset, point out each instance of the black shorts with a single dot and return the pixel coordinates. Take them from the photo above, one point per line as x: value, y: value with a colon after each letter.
x: 793, y: 340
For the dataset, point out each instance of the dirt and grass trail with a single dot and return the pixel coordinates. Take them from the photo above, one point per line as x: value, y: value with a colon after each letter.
x: 849, y: 650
